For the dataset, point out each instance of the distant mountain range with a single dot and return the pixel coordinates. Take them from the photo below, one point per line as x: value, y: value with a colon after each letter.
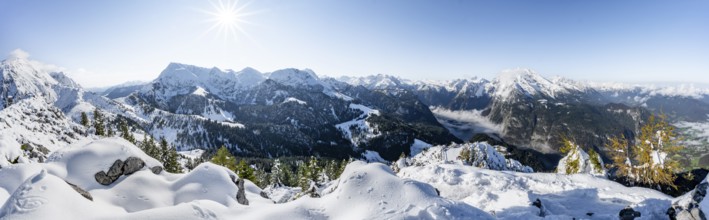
x: 294, y: 112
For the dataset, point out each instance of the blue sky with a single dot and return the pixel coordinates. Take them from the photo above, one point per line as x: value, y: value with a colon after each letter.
x: 108, y: 42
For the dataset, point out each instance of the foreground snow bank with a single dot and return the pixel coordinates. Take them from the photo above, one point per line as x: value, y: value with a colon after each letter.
x: 43, y: 191
x: 510, y: 195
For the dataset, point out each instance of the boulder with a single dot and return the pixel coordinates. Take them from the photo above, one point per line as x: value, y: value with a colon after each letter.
x: 628, y: 214
x: 81, y: 191
x: 156, y: 170
x: 116, y: 169
x: 241, y: 194
x: 132, y: 165
x: 103, y: 178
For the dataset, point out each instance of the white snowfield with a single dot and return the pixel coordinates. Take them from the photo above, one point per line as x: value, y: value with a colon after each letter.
x: 364, y: 191
x: 509, y: 195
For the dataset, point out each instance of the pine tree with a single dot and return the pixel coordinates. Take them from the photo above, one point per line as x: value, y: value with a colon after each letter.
x: 98, y: 123
x: 262, y: 178
x: 288, y: 177
x: 164, y: 150
x: 465, y: 155
x: 171, y: 163
x: 245, y: 171
x: 648, y: 161
x: 343, y: 165
x: 310, y: 177
x: 144, y: 143
x: 224, y: 158
x: 276, y: 178
x: 125, y: 132
x: 84, y: 120
x: 331, y: 169
x: 110, y: 132
x: 150, y: 149
x: 569, y: 148
x: 302, y: 176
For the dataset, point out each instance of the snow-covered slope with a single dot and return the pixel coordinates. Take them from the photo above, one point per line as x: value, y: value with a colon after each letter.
x: 510, y: 195
x: 38, y: 125
x: 364, y: 191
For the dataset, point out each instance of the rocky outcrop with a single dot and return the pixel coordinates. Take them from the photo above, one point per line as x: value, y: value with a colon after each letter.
x: 628, y: 214
x: 81, y: 191
x: 690, y: 210
x: 241, y: 194
x: 120, y: 168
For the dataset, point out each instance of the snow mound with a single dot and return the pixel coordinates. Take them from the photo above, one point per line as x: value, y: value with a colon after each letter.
x: 48, y: 193
x: 43, y: 191
x: 372, y: 191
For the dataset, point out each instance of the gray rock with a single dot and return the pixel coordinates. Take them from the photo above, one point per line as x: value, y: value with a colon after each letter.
x: 241, y: 194
x: 81, y: 191
x: 542, y: 211
x: 692, y: 211
x: 103, y: 178
x: 156, y: 169
x: 628, y: 214
x: 264, y: 195
x: 131, y: 165
x: 116, y: 169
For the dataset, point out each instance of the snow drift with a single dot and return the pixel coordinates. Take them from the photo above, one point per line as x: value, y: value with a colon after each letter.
x: 44, y: 190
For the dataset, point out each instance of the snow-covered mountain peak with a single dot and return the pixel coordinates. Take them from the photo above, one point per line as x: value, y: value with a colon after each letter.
x: 525, y: 81
x: 182, y: 72
x: 378, y: 81
x: 295, y: 77
x: 23, y: 78
x: 249, y: 77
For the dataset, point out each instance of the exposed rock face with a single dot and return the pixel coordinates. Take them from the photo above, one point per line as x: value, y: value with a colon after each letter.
x: 241, y: 194
x: 690, y: 210
x: 119, y: 168
x: 156, y: 170
x: 628, y: 214
x: 132, y: 165
x: 81, y: 191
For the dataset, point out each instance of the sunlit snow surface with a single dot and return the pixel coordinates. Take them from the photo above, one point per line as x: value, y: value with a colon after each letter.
x: 364, y: 191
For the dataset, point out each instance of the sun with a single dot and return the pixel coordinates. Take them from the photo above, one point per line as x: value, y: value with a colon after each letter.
x: 227, y: 19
